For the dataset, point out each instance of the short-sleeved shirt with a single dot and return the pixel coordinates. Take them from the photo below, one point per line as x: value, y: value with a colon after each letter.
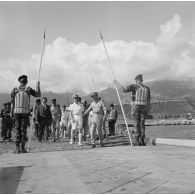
x: 98, y: 107
x: 65, y: 115
x: 76, y: 109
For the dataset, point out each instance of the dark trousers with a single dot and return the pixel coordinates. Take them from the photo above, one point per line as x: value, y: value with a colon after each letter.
x: 36, y: 126
x: 43, y: 132
x: 85, y: 127
x: 21, y: 124
x: 3, y: 129
x: 111, y: 125
x: 9, y: 125
x: 139, y: 122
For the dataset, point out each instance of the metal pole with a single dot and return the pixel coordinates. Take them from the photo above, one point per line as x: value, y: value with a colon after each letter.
x: 116, y: 89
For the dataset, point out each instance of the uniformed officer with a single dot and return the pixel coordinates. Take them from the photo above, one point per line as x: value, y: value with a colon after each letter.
x: 76, y: 111
x: 98, y: 109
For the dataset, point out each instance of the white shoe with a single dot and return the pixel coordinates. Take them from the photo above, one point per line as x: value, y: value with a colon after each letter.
x: 71, y: 143
x: 80, y: 144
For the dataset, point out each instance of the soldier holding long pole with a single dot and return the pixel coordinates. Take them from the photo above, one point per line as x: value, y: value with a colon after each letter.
x: 140, y: 106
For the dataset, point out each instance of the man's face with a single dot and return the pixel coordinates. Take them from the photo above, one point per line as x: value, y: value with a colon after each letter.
x: 138, y: 81
x: 95, y: 97
x: 23, y: 82
x: 63, y: 108
x: 54, y: 103
x: 38, y: 103
x: 44, y: 101
x: 76, y: 101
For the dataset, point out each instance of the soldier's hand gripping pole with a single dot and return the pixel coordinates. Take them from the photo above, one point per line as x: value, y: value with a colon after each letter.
x: 38, y: 81
x: 116, y: 88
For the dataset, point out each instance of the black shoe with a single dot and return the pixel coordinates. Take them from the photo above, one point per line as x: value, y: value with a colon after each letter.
x: 23, y: 150
x: 93, y: 146
x: 142, y: 144
x: 102, y: 145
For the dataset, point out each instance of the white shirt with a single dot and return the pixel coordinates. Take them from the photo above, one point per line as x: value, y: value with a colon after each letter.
x: 65, y: 115
x: 76, y: 109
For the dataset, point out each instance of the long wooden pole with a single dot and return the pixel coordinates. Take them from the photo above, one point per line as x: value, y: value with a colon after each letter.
x: 38, y: 79
x: 112, y: 72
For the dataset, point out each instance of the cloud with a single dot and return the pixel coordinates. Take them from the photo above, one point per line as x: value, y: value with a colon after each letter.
x: 170, y: 30
x: 70, y: 67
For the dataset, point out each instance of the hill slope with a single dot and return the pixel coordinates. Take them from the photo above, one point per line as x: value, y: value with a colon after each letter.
x: 160, y: 91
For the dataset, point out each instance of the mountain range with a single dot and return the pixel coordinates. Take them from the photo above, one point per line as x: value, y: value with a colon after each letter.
x: 161, y: 90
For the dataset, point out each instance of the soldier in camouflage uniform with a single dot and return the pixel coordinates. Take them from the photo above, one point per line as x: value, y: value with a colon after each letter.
x: 20, y: 109
x: 140, y: 106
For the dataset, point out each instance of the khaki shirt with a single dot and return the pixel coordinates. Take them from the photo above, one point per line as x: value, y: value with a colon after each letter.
x: 98, y: 107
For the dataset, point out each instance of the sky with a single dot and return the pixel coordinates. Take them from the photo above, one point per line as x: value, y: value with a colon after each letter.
x: 156, y: 39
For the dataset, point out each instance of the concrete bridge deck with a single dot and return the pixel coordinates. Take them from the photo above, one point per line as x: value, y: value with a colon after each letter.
x: 123, y: 169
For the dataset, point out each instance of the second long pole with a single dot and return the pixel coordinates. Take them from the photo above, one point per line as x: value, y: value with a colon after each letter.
x: 116, y: 89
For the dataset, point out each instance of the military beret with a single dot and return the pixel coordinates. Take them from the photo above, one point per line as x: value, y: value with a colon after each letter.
x: 139, y: 77
x: 75, y: 96
x: 53, y: 100
x: 23, y: 77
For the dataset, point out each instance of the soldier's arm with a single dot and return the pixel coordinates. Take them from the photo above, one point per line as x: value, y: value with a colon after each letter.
x: 13, y: 93
x: 35, y: 93
x: 115, y: 82
x: 129, y: 88
x: 148, y: 101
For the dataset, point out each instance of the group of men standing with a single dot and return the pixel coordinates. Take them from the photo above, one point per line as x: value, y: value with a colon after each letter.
x: 80, y: 115
x: 46, y: 119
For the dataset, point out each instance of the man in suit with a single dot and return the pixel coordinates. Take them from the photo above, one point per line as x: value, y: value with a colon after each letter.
x: 44, y: 118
